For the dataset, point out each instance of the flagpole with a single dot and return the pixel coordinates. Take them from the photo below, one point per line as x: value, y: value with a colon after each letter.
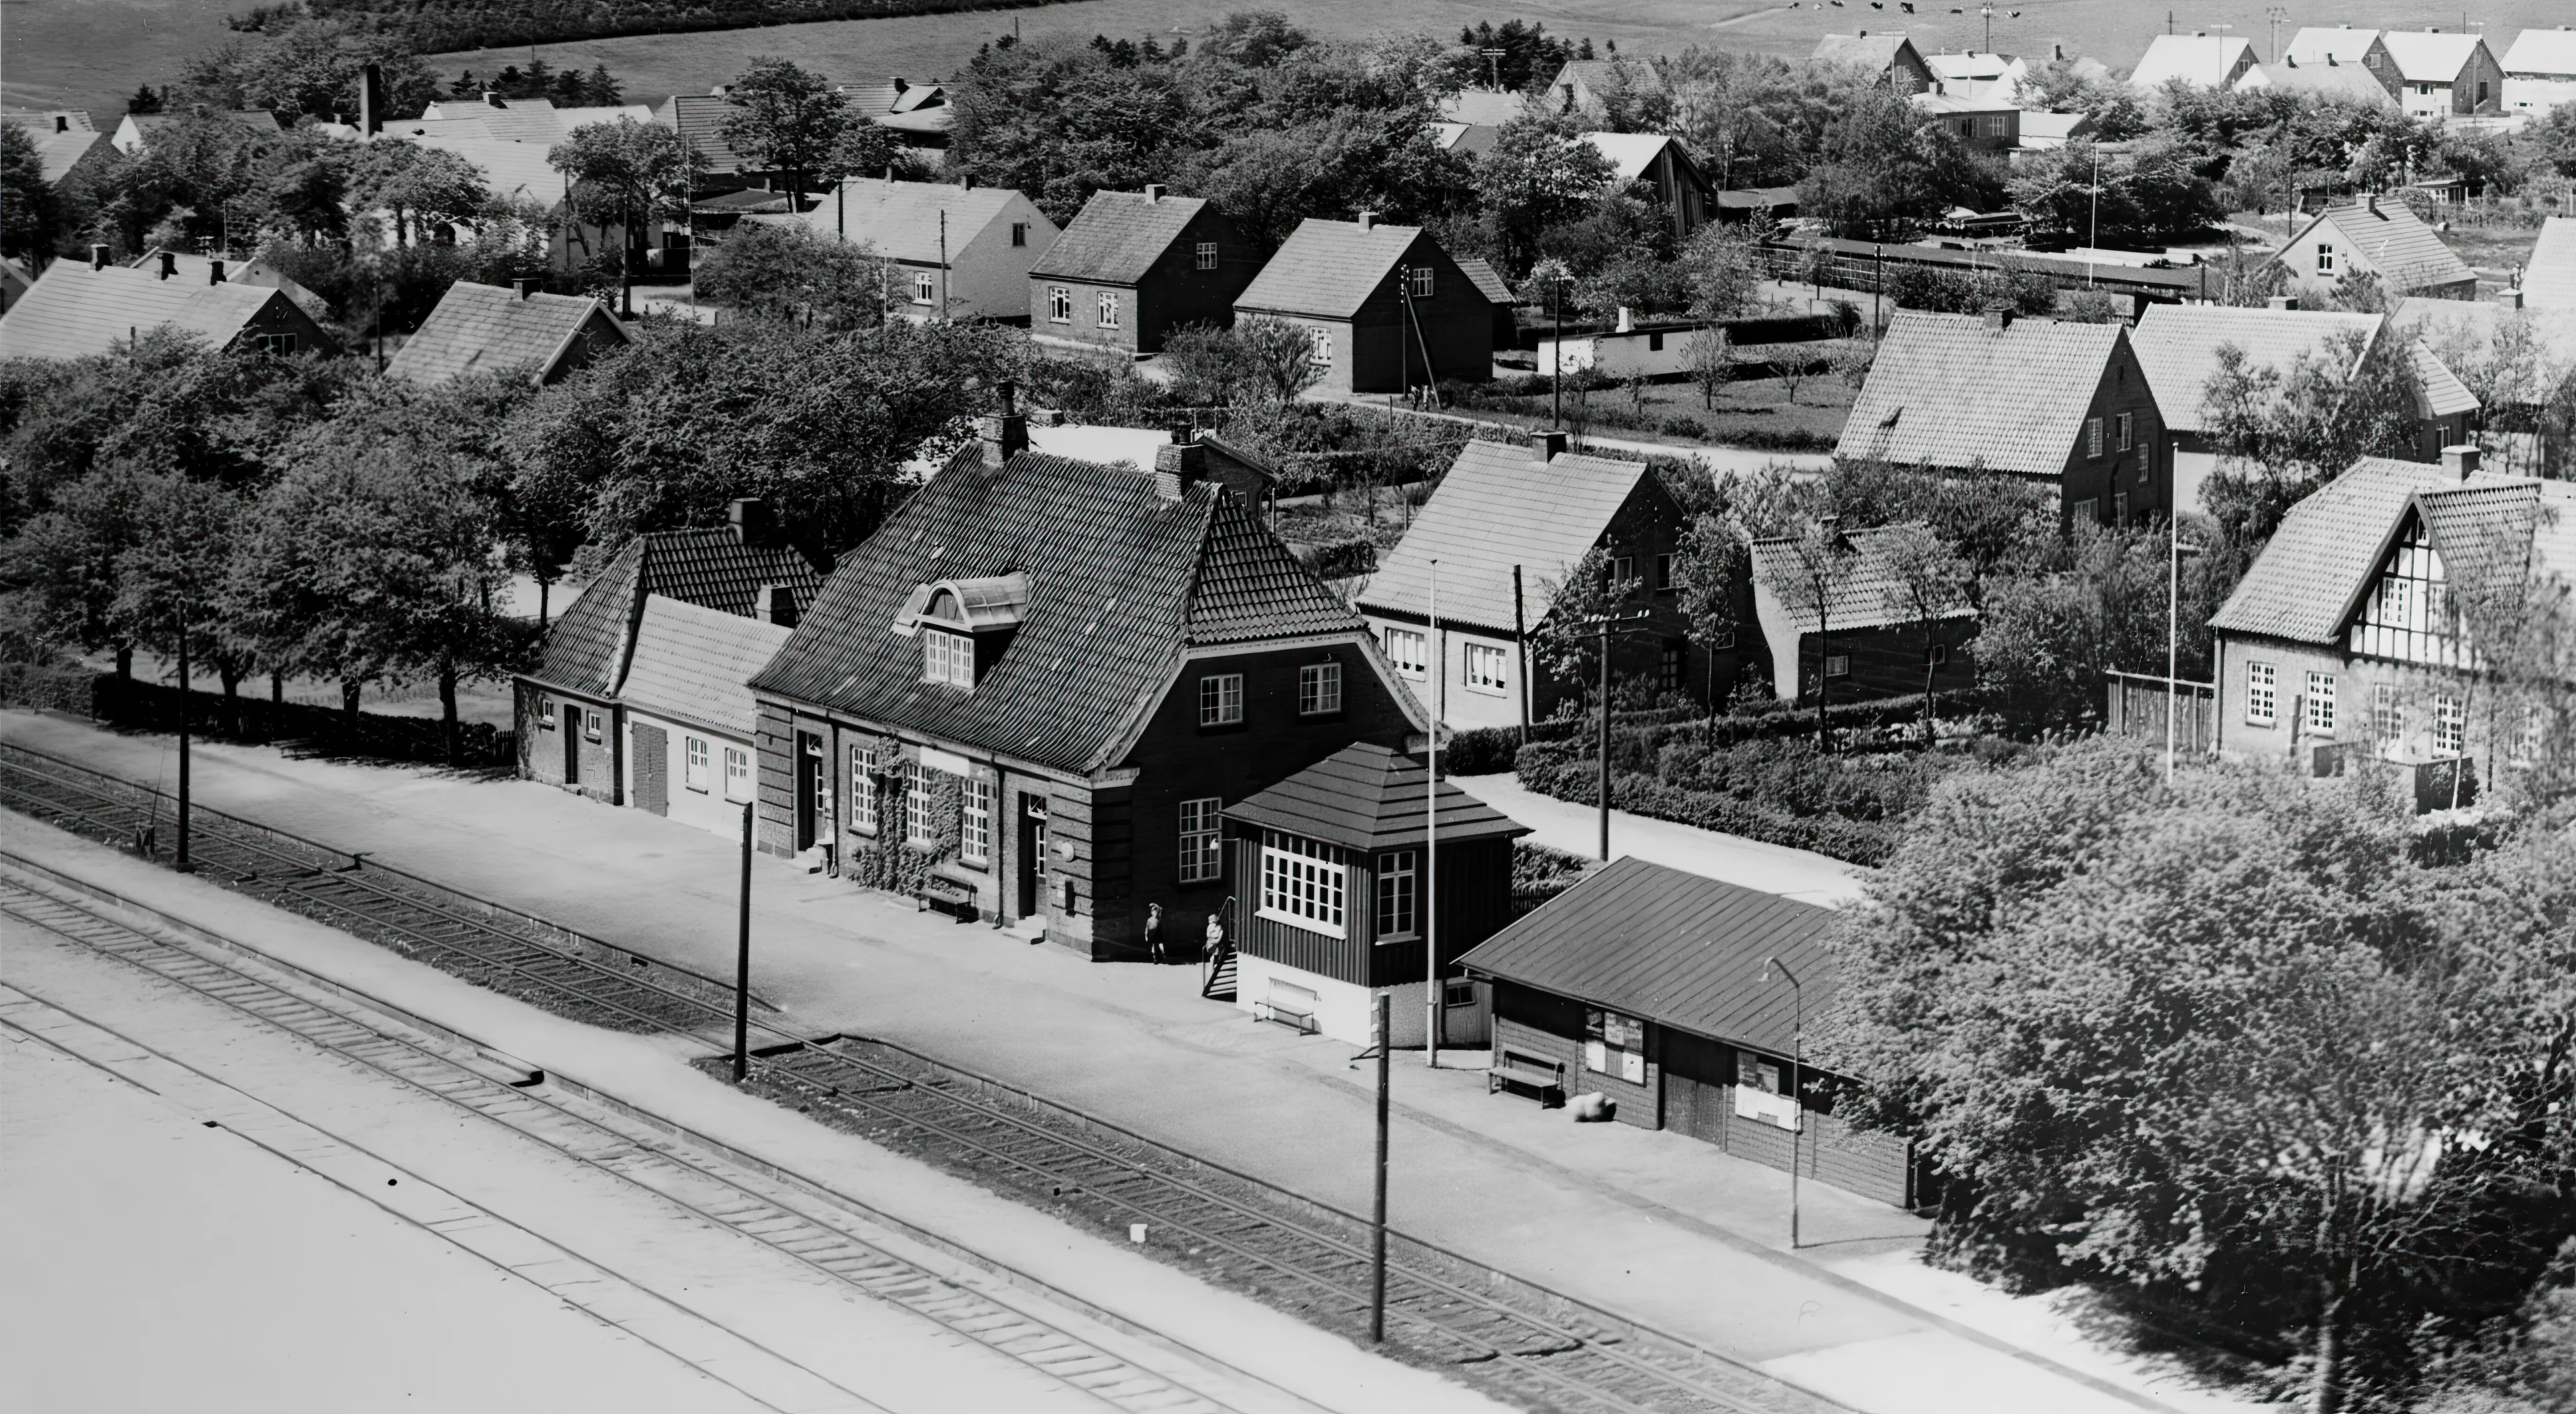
x: 1431, y: 836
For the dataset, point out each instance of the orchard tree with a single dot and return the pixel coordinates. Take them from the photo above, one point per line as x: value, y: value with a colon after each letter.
x: 789, y: 120
x: 422, y: 187
x: 1709, y: 564
x: 790, y: 273
x: 1536, y: 176
x: 1712, y: 362
x: 629, y: 175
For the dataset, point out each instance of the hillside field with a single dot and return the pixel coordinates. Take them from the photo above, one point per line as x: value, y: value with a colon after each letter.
x: 92, y: 53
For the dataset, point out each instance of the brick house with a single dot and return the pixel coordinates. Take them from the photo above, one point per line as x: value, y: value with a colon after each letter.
x: 2353, y: 635
x: 1867, y: 641
x: 1891, y: 59
x: 479, y: 328
x: 2377, y: 238
x: 1654, y: 988
x: 1506, y: 526
x: 1386, y: 306
x: 2040, y: 399
x: 575, y: 727
x: 2437, y: 74
x: 1134, y: 267
x: 1031, y: 695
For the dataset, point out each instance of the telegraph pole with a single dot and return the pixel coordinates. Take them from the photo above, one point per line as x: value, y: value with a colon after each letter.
x: 187, y: 701
x: 742, y: 961
x: 1377, y: 1211
x: 1431, y: 835
x: 1603, y: 626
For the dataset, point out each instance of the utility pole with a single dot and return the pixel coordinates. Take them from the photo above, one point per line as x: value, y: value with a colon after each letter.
x: 1431, y: 835
x: 1988, y: 11
x: 1520, y: 645
x: 1493, y: 58
x: 1797, y: 1099
x: 187, y: 701
x: 1377, y: 1210
x: 2175, y: 549
x: 1604, y: 625
x: 742, y: 961
x: 943, y: 265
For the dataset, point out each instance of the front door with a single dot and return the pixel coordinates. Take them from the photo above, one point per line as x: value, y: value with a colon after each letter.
x: 572, y: 744
x: 1033, y: 842
x: 809, y: 786
x: 652, y: 769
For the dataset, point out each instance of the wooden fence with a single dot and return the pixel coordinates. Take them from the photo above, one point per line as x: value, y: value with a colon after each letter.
x: 2136, y: 707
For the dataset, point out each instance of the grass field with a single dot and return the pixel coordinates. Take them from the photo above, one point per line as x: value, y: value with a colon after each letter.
x: 92, y: 53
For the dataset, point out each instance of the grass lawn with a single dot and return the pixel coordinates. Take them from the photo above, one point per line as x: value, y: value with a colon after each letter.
x: 1749, y: 412
x: 2495, y: 252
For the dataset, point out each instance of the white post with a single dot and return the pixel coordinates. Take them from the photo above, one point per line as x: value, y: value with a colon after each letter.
x: 1431, y: 836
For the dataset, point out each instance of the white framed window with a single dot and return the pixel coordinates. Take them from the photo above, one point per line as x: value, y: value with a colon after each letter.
x: 1838, y: 665
x: 1485, y: 671
x: 947, y: 657
x: 2321, y: 702
x: 2262, y: 694
x: 545, y: 714
x: 1614, y: 1045
x: 2088, y: 509
x: 737, y: 774
x: 2119, y: 508
x: 1319, y: 689
x: 1422, y: 282
x: 592, y: 725
x: 1220, y: 699
x: 863, y: 789
x: 1623, y: 571
x: 2325, y: 258
x: 1108, y: 309
x: 975, y: 822
x: 2126, y: 426
x: 2387, y: 722
x: 2092, y: 436
x: 2450, y: 725
x: 925, y: 287
x: 1398, y: 896
x: 1059, y: 305
x: 1323, y: 337
x: 1303, y: 883
x: 917, y: 827
x: 1409, y: 650
x: 282, y: 345
x: 695, y: 768
x: 1202, y: 840
x: 1205, y: 255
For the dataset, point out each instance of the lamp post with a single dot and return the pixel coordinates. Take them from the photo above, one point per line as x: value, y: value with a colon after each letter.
x: 742, y: 961
x: 1377, y: 1211
x: 1431, y: 834
x: 187, y: 701
x: 2175, y: 549
x: 1797, y: 1102
x: 2093, y: 230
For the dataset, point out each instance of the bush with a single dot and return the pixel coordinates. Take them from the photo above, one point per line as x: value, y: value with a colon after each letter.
x: 1343, y: 559
x: 1860, y: 842
x: 1946, y: 291
x: 1688, y: 427
x: 1540, y: 873
x: 1481, y: 751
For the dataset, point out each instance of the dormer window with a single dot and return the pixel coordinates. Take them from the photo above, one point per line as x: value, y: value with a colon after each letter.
x: 963, y: 624
x: 947, y: 657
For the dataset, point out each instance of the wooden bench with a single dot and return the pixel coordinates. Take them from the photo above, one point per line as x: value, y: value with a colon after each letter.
x: 1537, y: 1073
x: 1302, y: 1022
x: 941, y: 895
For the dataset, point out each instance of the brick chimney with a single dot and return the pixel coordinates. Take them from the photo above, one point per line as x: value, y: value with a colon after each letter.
x: 493, y: 98
x: 752, y: 527
x: 62, y: 122
x: 169, y: 263
x: 1179, y: 466
x: 523, y: 286
x: 2461, y: 462
x: 776, y: 604
x: 1627, y: 320
x: 1153, y: 191
x: 214, y: 272
x: 1999, y: 317
x: 1547, y: 446
x: 966, y: 181
x: 1004, y: 431
x: 98, y: 257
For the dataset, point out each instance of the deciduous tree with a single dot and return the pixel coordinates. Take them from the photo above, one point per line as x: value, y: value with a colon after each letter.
x: 629, y: 175
x: 790, y: 121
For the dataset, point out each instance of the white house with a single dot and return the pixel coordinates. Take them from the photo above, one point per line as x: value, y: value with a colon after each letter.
x: 2442, y: 74
x: 1661, y: 349
x: 2202, y: 60
x: 2540, y: 70
x: 692, y: 727
x: 962, y: 252
x: 1975, y: 74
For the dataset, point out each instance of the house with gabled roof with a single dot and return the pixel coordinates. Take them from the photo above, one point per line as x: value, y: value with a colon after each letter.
x: 78, y: 309
x: 1588, y: 87
x: 1497, y: 291
x: 917, y: 113
x: 1891, y: 59
x: 1387, y: 308
x: 2222, y: 61
x: 508, y: 145
x: 1488, y: 555
x: 2356, y: 635
x: 2380, y: 238
x: 1030, y: 696
x: 14, y: 282
x: 961, y: 251
x: 2331, y: 80
x: 2440, y: 74
x: 71, y: 150
x: 699, y: 119
x: 2342, y: 46
x: 2540, y: 70
x: 480, y: 328
x: 1844, y: 622
x: 578, y: 728
x: 1134, y: 266
x: 2549, y: 276
x: 1682, y: 193
x: 236, y: 270
x: 134, y: 130
x: 1979, y: 75
x: 2042, y: 400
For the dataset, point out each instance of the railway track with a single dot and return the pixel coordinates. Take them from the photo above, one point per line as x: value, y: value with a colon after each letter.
x: 1535, y: 1347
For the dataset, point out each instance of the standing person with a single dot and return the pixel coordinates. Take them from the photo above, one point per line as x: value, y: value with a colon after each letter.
x: 1154, y: 931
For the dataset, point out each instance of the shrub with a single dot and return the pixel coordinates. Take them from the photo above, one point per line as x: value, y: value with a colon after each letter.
x: 1540, y: 873
x: 1689, y: 427
x: 1342, y: 559
x: 1481, y: 751
x: 1860, y: 842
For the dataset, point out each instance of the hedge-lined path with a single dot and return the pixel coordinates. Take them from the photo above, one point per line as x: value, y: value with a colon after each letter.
x: 1575, y: 829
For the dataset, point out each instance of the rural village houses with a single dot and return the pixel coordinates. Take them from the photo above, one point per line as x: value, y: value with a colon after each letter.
x: 1386, y: 306
x: 1134, y: 267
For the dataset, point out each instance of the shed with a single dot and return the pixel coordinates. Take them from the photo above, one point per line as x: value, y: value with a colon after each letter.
x: 692, y: 725
x: 1865, y: 639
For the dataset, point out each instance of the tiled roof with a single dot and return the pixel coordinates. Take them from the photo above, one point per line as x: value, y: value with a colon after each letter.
x: 62, y: 151
x: 2440, y: 393
x: 1484, y: 107
x: 2207, y: 60
x: 1630, y: 154
x: 900, y: 220
x: 2314, y: 44
x: 2178, y: 346
x: 2425, y: 56
x: 1118, y: 237
x: 2549, y: 280
x: 511, y: 169
x: 1327, y: 269
x: 46, y: 118
x: 1949, y: 391
x: 1121, y: 582
x: 695, y: 664
x: 712, y: 569
x: 2542, y: 51
x: 480, y: 328
x: 2303, y: 584
x: 1865, y: 591
x: 1873, y: 52
x: 74, y: 311
x: 2344, y: 82
x: 2405, y: 251
x: 254, y: 271
x: 701, y: 118
x: 920, y: 97
x: 1501, y: 506
x: 1675, y: 949
x: 871, y: 100
x: 1365, y: 797
x: 1488, y: 281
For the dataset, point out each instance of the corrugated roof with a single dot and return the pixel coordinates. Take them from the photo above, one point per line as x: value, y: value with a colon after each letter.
x: 1673, y: 948
x: 1118, y: 237
x: 2303, y: 584
x: 74, y: 311
x: 1500, y: 506
x: 1366, y: 797
x: 2542, y: 53
x: 479, y: 328
x: 2315, y: 44
x: 1488, y: 281
x: 2429, y: 56
x: 2205, y: 60
x: 2405, y: 251
x: 900, y: 220
x: 2178, y: 346
x: 695, y: 664
x: 1121, y: 582
x: 2549, y: 280
x: 1949, y: 391
x: 1328, y: 269
x: 1864, y: 591
x: 2347, y: 83
x: 2441, y: 393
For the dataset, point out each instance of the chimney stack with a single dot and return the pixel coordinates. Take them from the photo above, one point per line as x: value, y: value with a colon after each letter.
x: 966, y: 181
x: 1547, y: 446
x: 214, y: 272
x: 1999, y: 317
x: 2510, y: 299
x: 777, y: 604
x: 2460, y: 462
x: 1627, y: 321
x: 1368, y: 220
x: 494, y: 98
x: 62, y: 122
x: 1153, y: 191
x: 2283, y: 302
x: 752, y: 528
x: 1180, y: 466
x: 1003, y: 431
x: 169, y: 263
x: 371, y: 100
x: 523, y: 286
x: 98, y: 257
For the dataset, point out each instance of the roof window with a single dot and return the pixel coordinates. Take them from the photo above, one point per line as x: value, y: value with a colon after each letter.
x: 989, y: 604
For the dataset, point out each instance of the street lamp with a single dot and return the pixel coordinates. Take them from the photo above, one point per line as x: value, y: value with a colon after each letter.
x: 742, y: 961
x: 1557, y: 276
x: 1797, y: 1099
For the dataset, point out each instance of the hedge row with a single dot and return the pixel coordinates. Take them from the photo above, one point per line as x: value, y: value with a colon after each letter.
x: 441, y: 26
x: 136, y: 705
x: 1860, y: 842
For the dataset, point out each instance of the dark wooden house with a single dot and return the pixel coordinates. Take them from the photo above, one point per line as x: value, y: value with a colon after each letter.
x: 1656, y: 989
x: 1388, y: 309
x: 1843, y: 619
x: 1332, y: 866
x: 1030, y: 697
x: 1134, y: 267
